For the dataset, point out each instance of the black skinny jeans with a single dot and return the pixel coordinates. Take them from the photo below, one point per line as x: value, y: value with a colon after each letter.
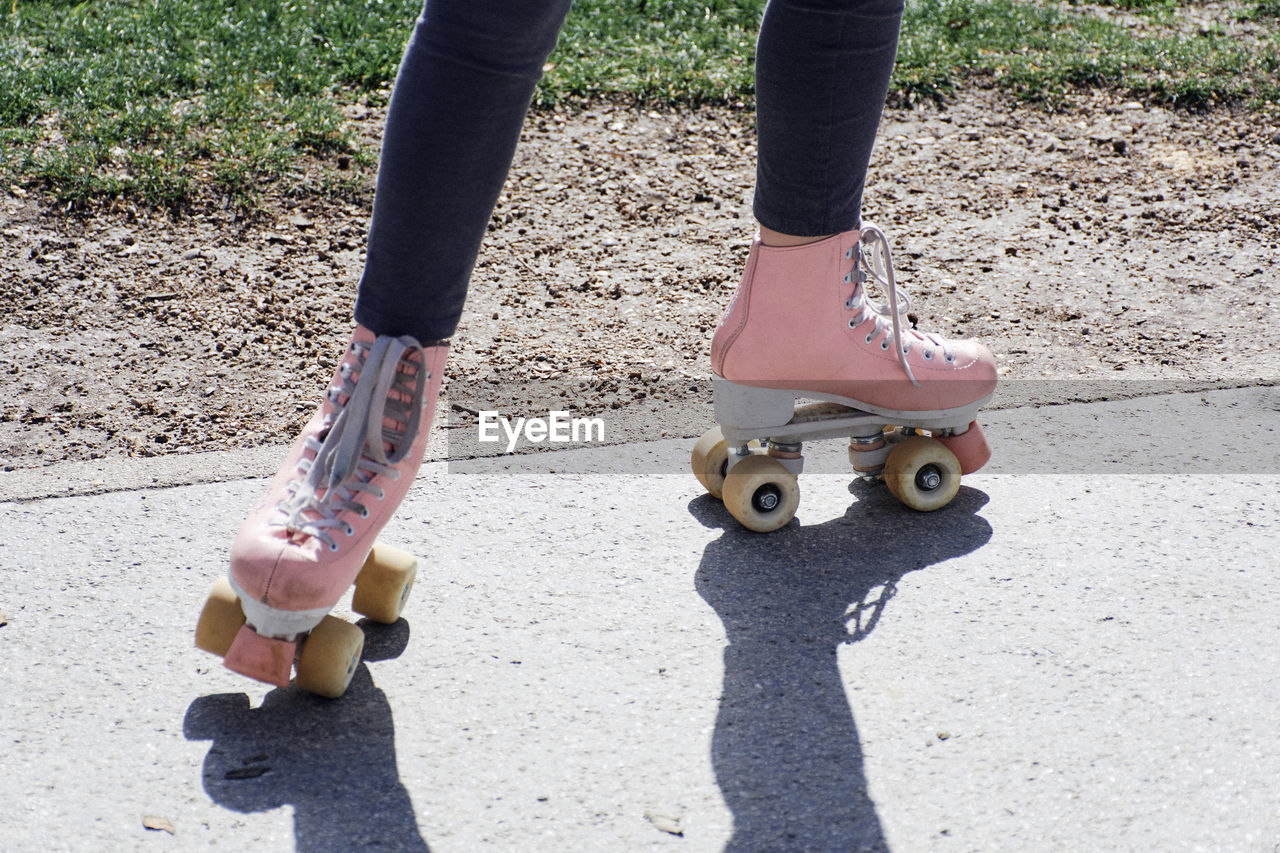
x: 468, y: 75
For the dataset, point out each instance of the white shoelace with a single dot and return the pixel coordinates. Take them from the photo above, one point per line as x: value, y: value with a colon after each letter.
x: 354, y: 450
x: 875, y: 261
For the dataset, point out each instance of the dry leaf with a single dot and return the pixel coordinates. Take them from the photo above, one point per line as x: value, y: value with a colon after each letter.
x: 666, y: 823
x: 159, y: 823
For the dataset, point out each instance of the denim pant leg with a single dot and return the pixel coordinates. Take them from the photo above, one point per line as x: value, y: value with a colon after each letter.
x: 460, y: 98
x: 464, y: 86
x: 822, y: 73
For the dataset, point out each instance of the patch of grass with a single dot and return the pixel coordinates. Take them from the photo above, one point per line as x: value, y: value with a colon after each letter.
x: 686, y: 51
x: 150, y: 97
x: 161, y: 99
x: 1139, y: 4
x: 1040, y: 51
x: 1262, y: 9
x: 676, y: 50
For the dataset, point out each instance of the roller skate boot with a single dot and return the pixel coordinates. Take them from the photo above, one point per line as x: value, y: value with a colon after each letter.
x: 802, y: 325
x: 313, y: 533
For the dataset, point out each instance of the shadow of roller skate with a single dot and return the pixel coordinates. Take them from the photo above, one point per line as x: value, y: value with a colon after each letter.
x: 785, y: 750
x: 332, y: 760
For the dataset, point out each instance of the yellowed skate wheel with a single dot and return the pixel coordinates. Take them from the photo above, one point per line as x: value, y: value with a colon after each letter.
x: 710, y: 456
x: 330, y: 655
x: 922, y: 473
x: 383, y: 585
x: 220, y: 620
x: 761, y: 493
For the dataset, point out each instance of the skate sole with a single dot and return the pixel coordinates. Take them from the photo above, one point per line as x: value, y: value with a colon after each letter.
x: 746, y: 412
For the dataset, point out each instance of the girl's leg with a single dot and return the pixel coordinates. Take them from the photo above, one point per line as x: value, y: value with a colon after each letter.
x: 460, y: 99
x: 822, y: 73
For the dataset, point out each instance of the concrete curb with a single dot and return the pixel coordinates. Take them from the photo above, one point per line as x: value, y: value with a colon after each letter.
x: 116, y: 474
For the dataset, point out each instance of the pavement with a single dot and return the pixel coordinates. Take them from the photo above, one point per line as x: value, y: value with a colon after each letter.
x: 1079, y: 653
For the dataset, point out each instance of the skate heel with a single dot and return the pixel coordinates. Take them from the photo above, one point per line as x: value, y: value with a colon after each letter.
x: 749, y: 409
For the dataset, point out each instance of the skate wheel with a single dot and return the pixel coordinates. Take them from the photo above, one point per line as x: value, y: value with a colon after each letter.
x: 329, y: 657
x: 710, y: 459
x: 383, y: 585
x: 761, y: 493
x: 220, y: 620
x: 922, y: 473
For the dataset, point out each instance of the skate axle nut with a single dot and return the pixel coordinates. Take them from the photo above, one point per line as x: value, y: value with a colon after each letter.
x: 928, y: 478
x: 766, y: 498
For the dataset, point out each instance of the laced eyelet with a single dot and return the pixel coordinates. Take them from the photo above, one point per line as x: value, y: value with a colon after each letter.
x: 853, y: 325
x: 350, y: 531
x: 951, y: 359
x: 928, y: 355
x: 884, y: 345
x: 848, y: 278
x: 333, y: 547
x: 364, y: 512
x: 849, y: 254
x: 868, y: 339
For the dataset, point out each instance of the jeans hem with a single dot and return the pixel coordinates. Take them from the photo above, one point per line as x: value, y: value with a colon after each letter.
x: 424, y: 332
x: 805, y: 227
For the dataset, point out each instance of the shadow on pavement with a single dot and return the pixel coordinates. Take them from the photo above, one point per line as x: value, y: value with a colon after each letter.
x: 333, y: 761
x: 785, y: 751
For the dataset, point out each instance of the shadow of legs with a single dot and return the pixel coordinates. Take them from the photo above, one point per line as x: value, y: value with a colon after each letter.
x: 333, y: 761
x: 785, y: 750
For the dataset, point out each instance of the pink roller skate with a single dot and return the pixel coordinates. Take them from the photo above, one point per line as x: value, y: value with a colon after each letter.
x: 801, y: 325
x: 312, y: 534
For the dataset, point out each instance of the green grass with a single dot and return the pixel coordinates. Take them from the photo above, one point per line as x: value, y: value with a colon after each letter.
x: 149, y: 97
x: 1041, y: 51
x: 1264, y: 9
x: 686, y: 51
x: 164, y: 101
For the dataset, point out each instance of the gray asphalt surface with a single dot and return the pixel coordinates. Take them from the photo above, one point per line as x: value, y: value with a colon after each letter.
x: 1079, y: 653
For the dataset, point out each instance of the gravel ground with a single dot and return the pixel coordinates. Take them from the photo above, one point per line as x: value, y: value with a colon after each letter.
x: 1111, y: 240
